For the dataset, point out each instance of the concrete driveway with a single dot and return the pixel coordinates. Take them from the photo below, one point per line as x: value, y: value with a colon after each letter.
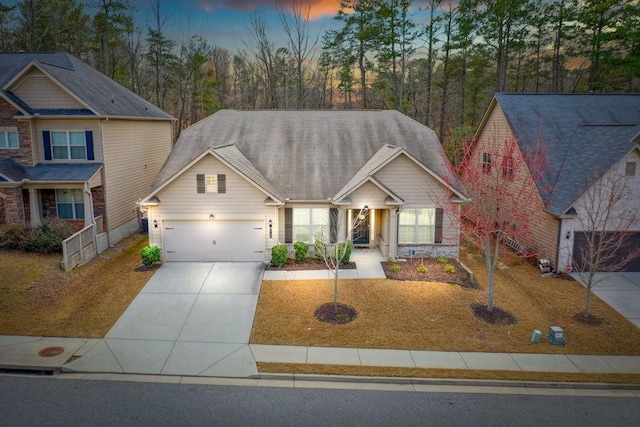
x: 621, y: 291
x: 189, y: 319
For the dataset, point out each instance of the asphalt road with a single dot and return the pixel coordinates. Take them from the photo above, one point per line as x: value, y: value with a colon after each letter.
x: 38, y: 401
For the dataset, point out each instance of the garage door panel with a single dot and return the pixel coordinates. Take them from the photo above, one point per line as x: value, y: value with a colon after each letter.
x: 632, y: 244
x: 214, y: 240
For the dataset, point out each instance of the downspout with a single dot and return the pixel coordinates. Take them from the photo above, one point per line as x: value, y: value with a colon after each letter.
x: 559, y: 240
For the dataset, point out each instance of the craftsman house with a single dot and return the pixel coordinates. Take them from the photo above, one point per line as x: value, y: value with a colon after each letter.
x: 75, y: 145
x: 588, y: 139
x: 239, y: 182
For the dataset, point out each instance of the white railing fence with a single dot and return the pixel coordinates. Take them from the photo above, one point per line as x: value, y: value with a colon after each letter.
x: 79, y: 247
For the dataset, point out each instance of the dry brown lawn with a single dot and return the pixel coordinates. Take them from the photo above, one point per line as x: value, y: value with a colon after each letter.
x: 38, y: 298
x: 437, y: 316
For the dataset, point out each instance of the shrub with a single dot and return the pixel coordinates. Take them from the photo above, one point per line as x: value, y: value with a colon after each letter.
x: 442, y: 260
x: 279, y: 255
x: 344, y: 252
x: 301, y: 249
x: 46, y: 238
x: 395, y: 268
x: 319, y: 250
x: 13, y: 236
x: 449, y: 269
x: 391, y: 260
x: 422, y: 269
x: 150, y: 255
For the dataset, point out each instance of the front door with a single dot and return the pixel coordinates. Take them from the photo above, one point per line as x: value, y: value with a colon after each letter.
x: 361, y: 230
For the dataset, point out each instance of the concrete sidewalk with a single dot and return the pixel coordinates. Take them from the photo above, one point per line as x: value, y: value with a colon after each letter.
x: 21, y: 352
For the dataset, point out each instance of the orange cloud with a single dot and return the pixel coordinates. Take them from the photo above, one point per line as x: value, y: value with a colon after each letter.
x: 318, y: 8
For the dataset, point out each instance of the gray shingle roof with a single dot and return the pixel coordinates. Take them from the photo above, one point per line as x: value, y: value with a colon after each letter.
x: 101, y: 93
x: 584, y: 136
x: 48, y: 172
x: 308, y: 155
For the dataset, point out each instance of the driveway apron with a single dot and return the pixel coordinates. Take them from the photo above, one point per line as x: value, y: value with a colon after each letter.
x: 189, y: 319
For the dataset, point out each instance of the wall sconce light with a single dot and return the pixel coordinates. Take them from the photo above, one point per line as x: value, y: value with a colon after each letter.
x: 363, y: 212
x: 155, y: 223
x: 270, y: 223
x: 568, y: 235
x: 211, y: 216
x: 270, y: 229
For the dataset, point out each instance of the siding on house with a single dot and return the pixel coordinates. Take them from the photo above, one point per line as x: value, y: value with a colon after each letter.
x: 242, y: 200
x: 40, y: 92
x: 419, y: 189
x: 368, y: 194
x: 67, y: 125
x: 542, y: 235
x: 134, y: 152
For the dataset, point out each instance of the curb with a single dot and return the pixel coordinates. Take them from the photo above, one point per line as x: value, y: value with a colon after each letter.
x: 450, y: 382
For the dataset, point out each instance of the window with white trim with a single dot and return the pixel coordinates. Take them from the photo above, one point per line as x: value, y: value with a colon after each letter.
x: 486, y: 162
x: 70, y: 204
x: 417, y: 226
x: 211, y: 183
x: 310, y: 224
x: 69, y: 145
x: 9, y: 139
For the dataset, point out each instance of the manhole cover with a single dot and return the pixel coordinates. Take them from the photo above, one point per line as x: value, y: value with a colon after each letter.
x: 51, y: 351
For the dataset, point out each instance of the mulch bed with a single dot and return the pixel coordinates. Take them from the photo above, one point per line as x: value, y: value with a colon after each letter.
x: 328, y: 314
x: 308, y: 264
x: 590, y: 320
x: 435, y: 272
x: 497, y: 316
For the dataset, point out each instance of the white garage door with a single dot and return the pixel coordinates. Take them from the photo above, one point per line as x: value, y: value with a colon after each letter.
x: 213, y: 240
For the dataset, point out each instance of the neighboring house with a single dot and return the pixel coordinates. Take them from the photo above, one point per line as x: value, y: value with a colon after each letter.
x: 239, y: 182
x: 587, y: 138
x: 75, y: 145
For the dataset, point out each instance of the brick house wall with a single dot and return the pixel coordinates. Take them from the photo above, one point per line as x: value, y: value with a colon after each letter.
x: 49, y: 208
x: 24, y: 154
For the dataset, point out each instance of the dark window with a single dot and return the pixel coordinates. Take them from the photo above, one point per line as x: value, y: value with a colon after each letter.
x: 507, y: 167
x: 630, y: 169
x: 200, y: 183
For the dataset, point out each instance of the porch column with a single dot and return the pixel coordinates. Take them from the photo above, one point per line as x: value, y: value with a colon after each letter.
x: 88, y: 206
x: 393, y: 232
x: 34, y: 204
x: 343, y: 224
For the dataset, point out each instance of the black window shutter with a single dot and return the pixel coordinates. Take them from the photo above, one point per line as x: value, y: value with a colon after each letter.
x: 200, y: 182
x: 88, y: 135
x: 222, y: 183
x: 288, y: 225
x: 439, y: 217
x: 46, y: 137
x: 333, y: 224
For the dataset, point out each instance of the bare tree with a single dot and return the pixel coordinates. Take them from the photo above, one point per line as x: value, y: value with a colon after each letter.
x: 263, y: 50
x: 295, y: 22
x: 335, y: 251
x: 606, y: 218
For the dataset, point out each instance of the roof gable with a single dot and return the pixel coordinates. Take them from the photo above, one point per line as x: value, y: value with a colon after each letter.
x: 231, y: 157
x: 584, y: 135
x: 100, y: 94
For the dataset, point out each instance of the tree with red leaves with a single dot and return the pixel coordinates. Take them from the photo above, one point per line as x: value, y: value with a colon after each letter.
x: 505, y: 203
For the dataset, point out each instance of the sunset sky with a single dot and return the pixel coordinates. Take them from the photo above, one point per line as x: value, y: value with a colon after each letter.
x: 225, y: 23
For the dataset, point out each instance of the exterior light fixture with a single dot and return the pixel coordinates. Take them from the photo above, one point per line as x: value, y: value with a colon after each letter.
x: 362, y: 213
x: 270, y: 229
x: 155, y: 223
x: 568, y: 236
x: 211, y: 216
x: 270, y: 223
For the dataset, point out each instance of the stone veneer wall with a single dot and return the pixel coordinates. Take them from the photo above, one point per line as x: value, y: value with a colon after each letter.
x: 428, y: 251
x: 24, y: 154
x: 14, y: 205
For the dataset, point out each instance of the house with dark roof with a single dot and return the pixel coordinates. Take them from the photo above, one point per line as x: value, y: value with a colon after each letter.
x: 587, y: 139
x: 239, y: 182
x: 75, y: 145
